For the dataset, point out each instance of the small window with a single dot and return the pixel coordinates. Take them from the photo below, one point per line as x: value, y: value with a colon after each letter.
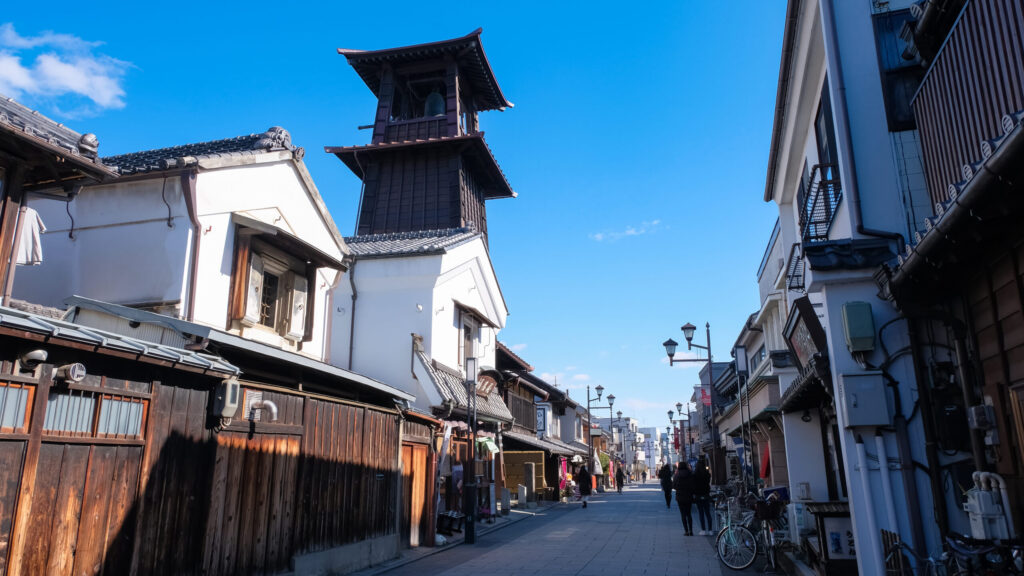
x: 70, y: 413
x: 15, y: 402
x: 94, y: 414
x: 277, y: 293
x: 120, y: 417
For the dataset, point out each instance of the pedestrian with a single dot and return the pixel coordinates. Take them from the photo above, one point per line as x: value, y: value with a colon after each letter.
x: 665, y: 475
x: 702, y: 496
x: 683, y: 484
x: 643, y: 476
x: 620, y: 479
x: 586, y: 485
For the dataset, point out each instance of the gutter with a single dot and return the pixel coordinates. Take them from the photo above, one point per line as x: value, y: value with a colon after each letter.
x: 352, y: 313
x: 782, y: 94
x: 188, y: 189
x: 963, y: 200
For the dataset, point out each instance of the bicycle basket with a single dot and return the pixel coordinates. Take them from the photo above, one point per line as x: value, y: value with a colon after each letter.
x: 768, y: 510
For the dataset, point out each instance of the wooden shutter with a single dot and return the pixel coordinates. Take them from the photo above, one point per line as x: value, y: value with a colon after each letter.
x: 239, y: 278
x: 311, y: 280
x: 254, y: 289
x: 299, y: 302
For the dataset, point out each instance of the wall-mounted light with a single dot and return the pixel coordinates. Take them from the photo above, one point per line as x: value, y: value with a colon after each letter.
x: 806, y: 417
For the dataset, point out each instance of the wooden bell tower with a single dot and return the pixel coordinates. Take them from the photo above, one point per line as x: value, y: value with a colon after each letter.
x: 427, y: 166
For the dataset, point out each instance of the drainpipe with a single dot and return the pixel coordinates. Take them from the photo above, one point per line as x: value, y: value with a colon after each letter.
x: 873, y: 556
x: 843, y: 126
x: 883, y: 469
x: 352, y: 314
x: 924, y: 392
x: 188, y: 189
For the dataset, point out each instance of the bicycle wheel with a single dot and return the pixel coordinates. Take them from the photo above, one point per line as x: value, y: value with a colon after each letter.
x: 737, y: 547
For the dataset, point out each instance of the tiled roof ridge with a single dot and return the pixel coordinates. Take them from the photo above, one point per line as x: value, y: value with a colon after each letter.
x: 274, y: 138
x: 955, y: 191
x: 412, y: 235
x: 19, y: 117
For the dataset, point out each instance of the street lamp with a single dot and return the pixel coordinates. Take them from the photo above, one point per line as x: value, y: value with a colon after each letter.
x: 590, y: 437
x: 670, y: 349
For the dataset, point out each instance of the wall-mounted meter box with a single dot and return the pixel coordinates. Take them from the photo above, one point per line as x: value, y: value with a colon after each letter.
x: 859, y: 327
x: 864, y: 399
x: 226, y: 398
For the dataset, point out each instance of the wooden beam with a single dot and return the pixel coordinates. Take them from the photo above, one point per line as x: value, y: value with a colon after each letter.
x: 10, y: 209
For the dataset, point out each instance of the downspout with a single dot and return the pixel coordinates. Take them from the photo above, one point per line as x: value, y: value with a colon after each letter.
x: 352, y: 314
x: 873, y: 558
x: 188, y: 189
x: 835, y: 69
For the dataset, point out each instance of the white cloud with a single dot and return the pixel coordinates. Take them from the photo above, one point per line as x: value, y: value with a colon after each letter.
x: 644, y: 228
x: 517, y: 347
x: 581, y: 377
x: 64, y: 70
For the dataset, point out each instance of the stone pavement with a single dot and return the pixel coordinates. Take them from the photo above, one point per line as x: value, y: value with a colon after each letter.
x: 628, y: 533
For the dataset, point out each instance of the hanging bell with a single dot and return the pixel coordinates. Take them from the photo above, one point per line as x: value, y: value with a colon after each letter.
x: 435, y: 104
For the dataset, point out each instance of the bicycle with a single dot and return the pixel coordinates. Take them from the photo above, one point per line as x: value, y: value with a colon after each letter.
x: 897, y: 563
x: 967, y: 556
x: 735, y: 543
x: 738, y: 545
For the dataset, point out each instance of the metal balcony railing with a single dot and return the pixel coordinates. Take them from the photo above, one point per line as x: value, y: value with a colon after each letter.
x: 819, y: 202
x: 795, y: 268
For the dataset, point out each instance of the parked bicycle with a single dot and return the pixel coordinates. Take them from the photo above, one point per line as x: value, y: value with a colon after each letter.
x: 750, y: 532
x: 966, y: 556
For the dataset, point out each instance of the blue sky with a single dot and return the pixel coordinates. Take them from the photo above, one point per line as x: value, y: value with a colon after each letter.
x: 638, y: 145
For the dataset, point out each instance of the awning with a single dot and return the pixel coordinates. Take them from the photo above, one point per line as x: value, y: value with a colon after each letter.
x: 537, y: 443
x: 290, y: 243
x: 488, y: 445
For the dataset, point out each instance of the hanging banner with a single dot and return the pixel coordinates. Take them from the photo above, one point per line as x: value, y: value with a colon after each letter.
x: 705, y: 396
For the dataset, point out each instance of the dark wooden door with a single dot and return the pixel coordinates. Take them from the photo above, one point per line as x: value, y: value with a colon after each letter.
x: 415, y: 519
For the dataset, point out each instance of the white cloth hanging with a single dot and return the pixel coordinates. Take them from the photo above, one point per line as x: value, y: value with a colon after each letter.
x: 30, y: 247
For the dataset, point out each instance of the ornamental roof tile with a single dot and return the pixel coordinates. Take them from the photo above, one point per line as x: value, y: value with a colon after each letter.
x: 274, y: 139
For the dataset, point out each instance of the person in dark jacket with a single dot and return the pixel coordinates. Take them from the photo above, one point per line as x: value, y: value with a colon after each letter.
x: 683, y: 484
x: 665, y: 475
x: 620, y: 479
x: 702, y: 496
x: 586, y: 484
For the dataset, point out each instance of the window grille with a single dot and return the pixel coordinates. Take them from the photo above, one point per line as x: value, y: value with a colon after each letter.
x: 15, y: 402
x: 93, y: 413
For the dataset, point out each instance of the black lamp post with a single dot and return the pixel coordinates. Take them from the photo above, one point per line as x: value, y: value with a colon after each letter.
x: 670, y: 348
x: 590, y: 437
x: 470, y: 474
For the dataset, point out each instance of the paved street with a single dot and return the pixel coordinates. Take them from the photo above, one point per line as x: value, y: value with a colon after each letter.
x: 632, y: 533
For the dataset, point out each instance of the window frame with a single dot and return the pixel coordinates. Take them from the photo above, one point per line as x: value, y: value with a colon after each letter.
x: 26, y: 421
x: 295, y: 275
x: 99, y: 395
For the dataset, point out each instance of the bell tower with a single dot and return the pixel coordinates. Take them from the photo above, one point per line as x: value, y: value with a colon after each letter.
x: 427, y: 166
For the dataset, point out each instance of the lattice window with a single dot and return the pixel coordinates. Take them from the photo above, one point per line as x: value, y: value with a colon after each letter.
x: 15, y: 403
x: 93, y: 413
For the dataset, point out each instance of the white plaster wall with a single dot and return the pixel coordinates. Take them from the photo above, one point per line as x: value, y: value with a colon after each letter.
x: 394, y: 300
x: 398, y: 297
x: 123, y: 250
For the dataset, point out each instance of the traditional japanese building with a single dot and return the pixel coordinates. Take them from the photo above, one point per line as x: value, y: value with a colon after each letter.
x: 421, y: 304
x: 427, y: 166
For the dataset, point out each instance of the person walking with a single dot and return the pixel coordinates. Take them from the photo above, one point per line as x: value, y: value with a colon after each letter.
x: 620, y: 479
x: 665, y: 475
x: 643, y: 477
x: 586, y: 484
x: 683, y: 484
x: 702, y: 496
